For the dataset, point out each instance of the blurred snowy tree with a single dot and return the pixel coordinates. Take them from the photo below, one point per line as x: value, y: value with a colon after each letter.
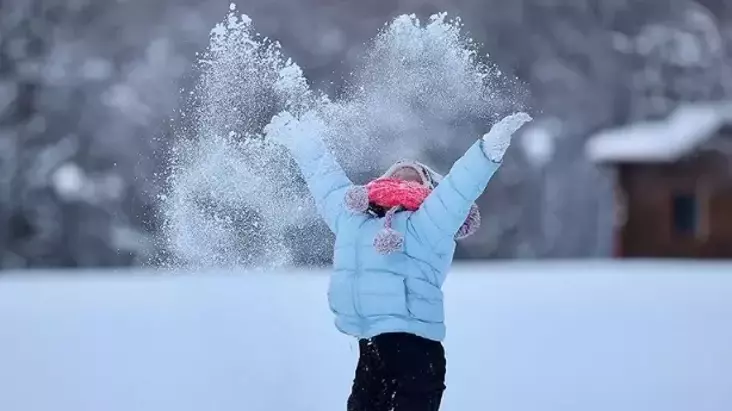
x: 85, y: 87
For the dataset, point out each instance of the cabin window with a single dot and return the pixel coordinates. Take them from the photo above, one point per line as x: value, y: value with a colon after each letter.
x: 685, y: 213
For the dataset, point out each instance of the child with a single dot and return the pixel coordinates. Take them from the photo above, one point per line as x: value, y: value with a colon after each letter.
x: 395, y: 240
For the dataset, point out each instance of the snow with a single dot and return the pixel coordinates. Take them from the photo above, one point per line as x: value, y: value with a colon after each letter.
x: 69, y: 180
x: 691, y: 40
x: 73, y: 184
x: 660, y: 141
x: 226, y: 178
x: 538, y: 140
x: 570, y: 336
x: 420, y: 86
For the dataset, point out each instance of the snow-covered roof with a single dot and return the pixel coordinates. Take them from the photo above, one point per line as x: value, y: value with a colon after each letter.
x: 666, y: 140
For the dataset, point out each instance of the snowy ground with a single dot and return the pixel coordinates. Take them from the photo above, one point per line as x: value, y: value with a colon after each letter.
x: 521, y: 337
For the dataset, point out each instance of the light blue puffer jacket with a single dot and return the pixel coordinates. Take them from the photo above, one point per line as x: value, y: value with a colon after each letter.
x: 371, y: 293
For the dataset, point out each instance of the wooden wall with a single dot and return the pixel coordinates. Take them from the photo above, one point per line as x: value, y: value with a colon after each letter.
x: 657, y: 194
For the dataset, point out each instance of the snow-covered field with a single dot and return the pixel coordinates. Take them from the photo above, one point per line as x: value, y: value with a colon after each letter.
x: 521, y: 337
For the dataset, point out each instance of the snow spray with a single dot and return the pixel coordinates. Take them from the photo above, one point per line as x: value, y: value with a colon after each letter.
x: 233, y: 197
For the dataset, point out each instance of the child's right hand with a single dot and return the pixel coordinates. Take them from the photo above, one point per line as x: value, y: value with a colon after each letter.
x: 497, y: 140
x: 286, y: 129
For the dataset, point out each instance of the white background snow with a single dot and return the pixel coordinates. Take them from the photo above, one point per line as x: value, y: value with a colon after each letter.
x: 645, y: 336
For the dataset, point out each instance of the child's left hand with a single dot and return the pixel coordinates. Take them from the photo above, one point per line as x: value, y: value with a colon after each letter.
x: 497, y: 140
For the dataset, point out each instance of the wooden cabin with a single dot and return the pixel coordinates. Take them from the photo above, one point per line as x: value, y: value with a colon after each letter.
x: 673, y: 183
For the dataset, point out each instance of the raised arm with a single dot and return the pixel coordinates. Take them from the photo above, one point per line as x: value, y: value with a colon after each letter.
x: 445, y: 209
x: 326, y: 180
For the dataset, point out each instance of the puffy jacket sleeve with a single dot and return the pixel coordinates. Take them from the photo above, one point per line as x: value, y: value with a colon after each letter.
x: 446, y: 208
x: 325, y: 178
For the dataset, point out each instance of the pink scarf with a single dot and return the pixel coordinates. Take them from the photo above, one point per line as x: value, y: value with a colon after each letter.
x: 393, y: 192
x: 394, y: 195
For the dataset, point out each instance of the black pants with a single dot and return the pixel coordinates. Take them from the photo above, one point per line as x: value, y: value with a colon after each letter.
x: 398, y: 372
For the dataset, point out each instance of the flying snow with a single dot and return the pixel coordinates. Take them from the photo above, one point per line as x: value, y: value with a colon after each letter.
x: 233, y: 197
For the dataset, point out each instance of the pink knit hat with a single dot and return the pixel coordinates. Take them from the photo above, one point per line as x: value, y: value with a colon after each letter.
x: 393, y: 195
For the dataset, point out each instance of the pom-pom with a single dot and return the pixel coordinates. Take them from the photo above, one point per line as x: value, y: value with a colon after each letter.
x: 357, y: 199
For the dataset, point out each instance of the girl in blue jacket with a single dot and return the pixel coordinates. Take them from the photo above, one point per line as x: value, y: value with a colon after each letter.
x: 395, y: 241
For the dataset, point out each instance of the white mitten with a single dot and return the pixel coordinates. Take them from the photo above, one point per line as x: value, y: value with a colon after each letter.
x: 287, y: 130
x: 497, y: 140
x: 281, y: 128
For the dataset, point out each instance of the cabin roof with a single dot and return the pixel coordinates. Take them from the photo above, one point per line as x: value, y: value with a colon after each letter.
x: 666, y: 140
